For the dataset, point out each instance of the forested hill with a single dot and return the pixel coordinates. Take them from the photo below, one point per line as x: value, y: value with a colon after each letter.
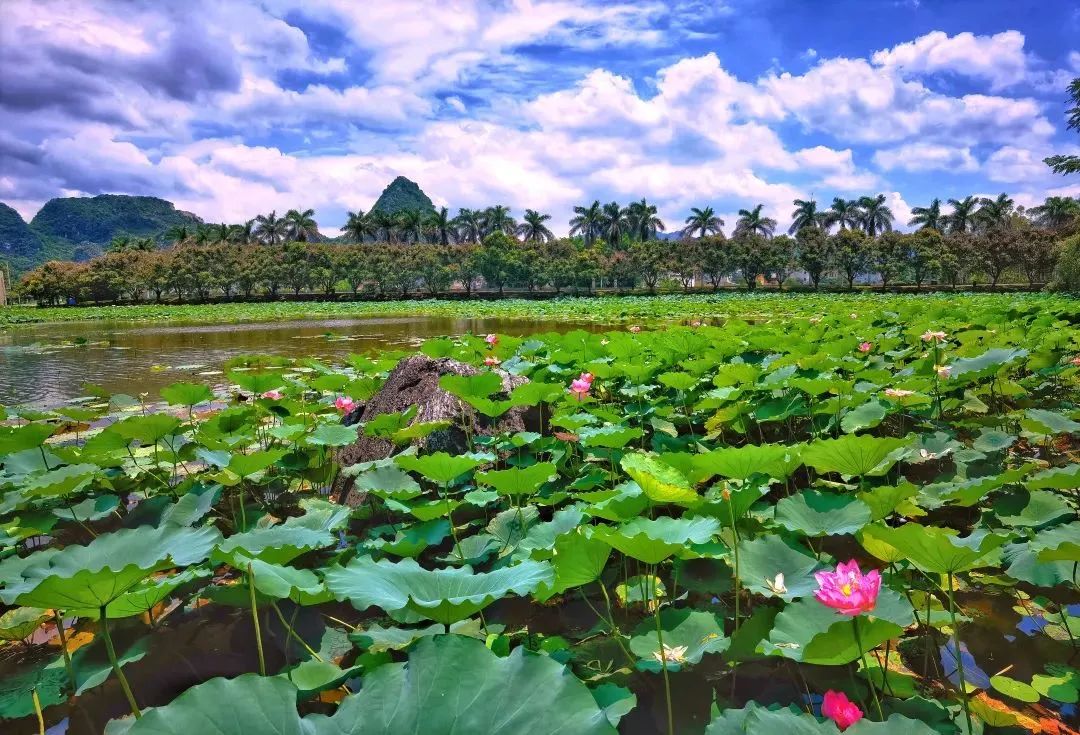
x: 97, y: 220
x: 403, y: 194
x: 18, y: 243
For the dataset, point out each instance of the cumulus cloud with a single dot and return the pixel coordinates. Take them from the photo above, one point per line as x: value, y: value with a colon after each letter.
x: 926, y: 157
x: 999, y: 59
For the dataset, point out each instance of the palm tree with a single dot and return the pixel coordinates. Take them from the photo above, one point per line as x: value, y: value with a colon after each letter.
x: 587, y: 222
x: 204, y: 235
x: 703, y: 222
x: 359, y: 226
x: 177, y: 234
x: 301, y: 226
x: 614, y: 222
x: 470, y: 225
x: 384, y: 222
x: 928, y: 217
x: 751, y: 222
x: 498, y: 219
x: 269, y: 229
x: 843, y: 212
x: 995, y: 214
x: 441, y: 226
x: 644, y: 222
x: 876, y: 216
x: 533, y: 229
x: 806, y: 214
x: 962, y: 217
x: 411, y: 222
x: 222, y: 232
x: 1062, y: 164
x: 242, y: 234
x: 1056, y: 212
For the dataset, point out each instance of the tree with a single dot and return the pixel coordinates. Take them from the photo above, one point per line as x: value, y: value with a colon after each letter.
x: 587, y: 222
x: 996, y: 251
x: 650, y: 261
x: 957, y: 257
x: 806, y: 214
x: 498, y: 219
x: 470, y: 225
x: 850, y: 254
x: 497, y: 258
x: 533, y: 229
x: 441, y: 226
x: 411, y: 224
x: 269, y: 229
x: 702, y: 222
x: 843, y: 212
x: 243, y: 234
x: 433, y: 268
x: 876, y: 216
x: 749, y: 256
x: 614, y: 223
x: 886, y: 256
x: 922, y: 256
x: 1069, y: 164
x: 359, y: 226
x: 1037, y: 252
x: 928, y: 217
x: 1056, y: 213
x: 995, y: 214
x: 177, y: 234
x: 752, y: 222
x: 385, y: 223
x: 780, y: 256
x: 813, y: 253
x: 685, y: 259
x: 962, y: 216
x: 643, y: 220
x: 715, y: 258
x: 301, y: 225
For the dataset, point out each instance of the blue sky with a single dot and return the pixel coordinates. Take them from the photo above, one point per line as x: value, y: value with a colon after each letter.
x: 237, y: 107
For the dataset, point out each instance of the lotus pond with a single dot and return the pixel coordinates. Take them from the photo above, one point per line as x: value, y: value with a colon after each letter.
x: 850, y: 514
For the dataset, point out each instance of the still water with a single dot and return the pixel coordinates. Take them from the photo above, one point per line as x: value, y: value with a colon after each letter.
x: 45, y: 365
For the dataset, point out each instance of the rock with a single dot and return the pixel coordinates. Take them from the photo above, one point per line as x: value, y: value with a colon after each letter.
x: 415, y: 382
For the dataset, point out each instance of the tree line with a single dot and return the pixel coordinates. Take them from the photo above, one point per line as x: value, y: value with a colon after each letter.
x: 975, y: 240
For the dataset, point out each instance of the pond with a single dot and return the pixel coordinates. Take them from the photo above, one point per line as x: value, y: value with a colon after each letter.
x: 45, y: 365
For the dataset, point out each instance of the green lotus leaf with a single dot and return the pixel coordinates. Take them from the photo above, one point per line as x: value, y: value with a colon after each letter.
x: 578, y: 560
x: 986, y: 364
x: 866, y: 416
x: 376, y: 639
x: 20, y: 438
x: 413, y: 540
x: 757, y: 720
x: 660, y: 482
x: 677, y: 381
x: 20, y: 682
x: 1023, y: 564
x: 535, y: 392
x: 1060, y: 683
x: 884, y: 499
x: 1056, y: 478
x: 283, y: 582
x: 91, y: 509
x: 1059, y: 543
x: 388, y: 481
x: 66, y: 480
x: 481, y: 385
x: 419, y: 430
x: 385, y: 425
x: 186, y: 394
x: 440, y: 467
x: 442, y: 595
x: 277, y: 545
x: 91, y: 662
x: 612, y: 436
x: 519, y: 480
x: 246, y: 465
x: 1016, y: 689
x: 20, y: 622
x: 312, y: 676
x: 192, y: 506
x: 761, y: 559
x: 1031, y: 509
x: 80, y: 577
x: 148, y: 429
x: 332, y: 435
x: 257, y: 382
x: 615, y: 701
x: 142, y: 596
x: 1050, y: 422
x: 652, y: 541
x: 509, y: 527
x: 992, y: 440
x: 740, y: 463
x: 853, y: 455
x: 936, y: 550
x: 695, y: 631
x: 817, y: 513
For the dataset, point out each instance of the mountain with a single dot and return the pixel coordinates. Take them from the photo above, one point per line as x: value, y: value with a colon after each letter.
x: 19, y: 244
x: 403, y: 194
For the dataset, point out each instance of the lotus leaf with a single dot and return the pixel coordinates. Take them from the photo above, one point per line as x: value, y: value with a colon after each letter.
x: 652, y: 541
x: 817, y: 513
x: 854, y: 455
x: 934, y: 549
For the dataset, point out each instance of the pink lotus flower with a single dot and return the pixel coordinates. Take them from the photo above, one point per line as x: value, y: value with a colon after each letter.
x: 635, y: 329
x: 587, y: 377
x: 695, y: 323
x: 944, y: 372
x: 929, y: 336
x: 492, y: 340
x: 344, y: 404
x: 848, y: 590
x: 898, y: 393
x: 582, y: 385
x: 273, y: 395
x: 866, y: 346
x: 491, y: 361
x: 841, y: 710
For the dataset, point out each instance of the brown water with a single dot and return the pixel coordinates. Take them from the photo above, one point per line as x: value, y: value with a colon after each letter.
x: 44, y: 365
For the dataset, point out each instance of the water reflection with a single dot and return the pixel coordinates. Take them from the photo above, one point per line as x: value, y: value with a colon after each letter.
x: 43, y: 365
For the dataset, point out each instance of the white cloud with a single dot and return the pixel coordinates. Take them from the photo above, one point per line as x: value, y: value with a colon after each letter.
x: 926, y: 157
x: 999, y: 59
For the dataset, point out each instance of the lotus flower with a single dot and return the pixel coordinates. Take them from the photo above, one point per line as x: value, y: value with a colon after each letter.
x: 492, y: 340
x: 943, y: 371
x: 695, y: 323
x: 491, y: 361
x: 854, y: 315
x: 581, y: 386
x: 841, y: 710
x: 777, y: 586
x: 671, y: 654
x: 929, y: 336
x: 635, y: 329
x: 344, y: 404
x: 1075, y: 361
x: 866, y: 346
x: 273, y: 395
x: 848, y: 590
x: 815, y: 320
x: 898, y: 393
x: 605, y: 342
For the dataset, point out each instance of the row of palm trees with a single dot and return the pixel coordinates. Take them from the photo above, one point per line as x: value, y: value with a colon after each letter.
x: 612, y: 223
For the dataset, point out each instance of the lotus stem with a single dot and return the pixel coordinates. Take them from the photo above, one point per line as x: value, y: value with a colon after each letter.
x: 37, y: 711
x: 663, y: 668
x: 59, y: 622
x: 293, y: 634
x: 869, y: 675
x: 956, y: 651
x: 735, y: 547
x: 255, y: 620
x: 111, y: 651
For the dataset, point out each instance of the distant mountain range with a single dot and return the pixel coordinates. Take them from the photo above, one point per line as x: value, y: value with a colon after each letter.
x: 78, y: 228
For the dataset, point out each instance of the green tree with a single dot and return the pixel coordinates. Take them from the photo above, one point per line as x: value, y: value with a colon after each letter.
x: 587, y: 222
x: 498, y: 219
x: 875, y: 215
x: 850, y: 254
x: 813, y: 253
x: 702, y: 222
x: 922, y: 256
x: 385, y: 223
x: 411, y: 224
x: 300, y: 225
x: 643, y: 220
x: 497, y: 259
x: 650, y: 261
x: 780, y: 255
x: 614, y: 223
x: 750, y: 256
x: 469, y: 224
x: 995, y: 214
x: 359, y: 227
x: 715, y: 259
x: 441, y: 225
x: 806, y: 214
x: 753, y: 222
x: 270, y: 230
x: 962, y: 216
x: 1056, y: 213
x: 1062, y: 164
x: 928, y: 217
x: 533, y: 227
x: 886, y: 256
x: 843, y: 212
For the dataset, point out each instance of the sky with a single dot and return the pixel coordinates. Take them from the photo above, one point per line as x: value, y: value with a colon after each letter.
x: 232, y: 108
